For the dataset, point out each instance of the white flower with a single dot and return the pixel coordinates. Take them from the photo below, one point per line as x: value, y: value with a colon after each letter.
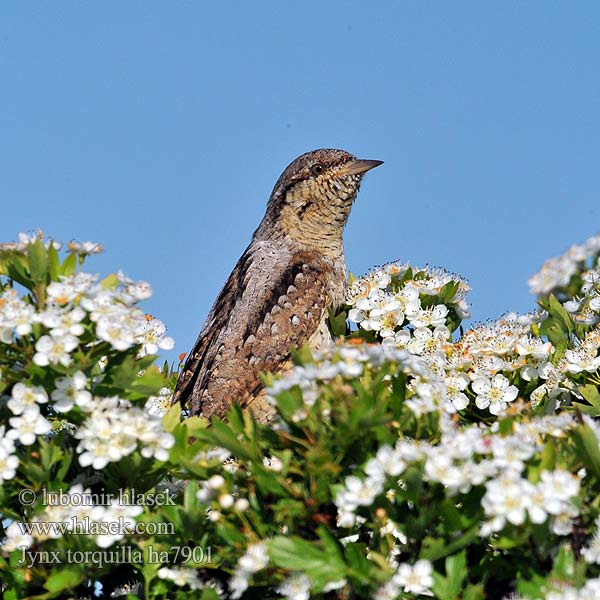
x: 238, y: 584
x: 113, y: 430
x: 114, y: 330
x: 582, y: 360
x: 273, y: 463
x: 69, y: 323
x: 153, y: 336
x: 255, y: 558
x: 215, y: 482
x: 591, y: 553
x: 295, y: 587
x: 400, y: 339
x: 535, y: 347
x: 8, y: 463
x: 495, y: 393
x: 562, y: 524
x: 69, y: 288
x: 359, y: 492
x: 54, y: 350
x: 157, y: 442
x: 345, y: 518
x: 387, y: 461
x: 241, y: 504
x: 135, y: 291
x: 181, y: 576
x: 85, y: 247
x: 415, y: 579
x: 70, y: 391
x: 558, y: 487
x: 440, y: 467
x: 15, y: 538
x: 572, y: 306
x: 555, y: 273
x: 506, y: 498
x: 511, y: 452
x: 455, y: 384
x: 117, y: 513
x: 159, y: 405
x: 426, y: 341
x: 430, y: 317
x: 24, y: 397
x: 26, y: 427
x: 15, y: 314
x: 409, y: 300
x: 536, y: 507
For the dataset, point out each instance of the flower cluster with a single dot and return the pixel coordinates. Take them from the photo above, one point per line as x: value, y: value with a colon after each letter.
x: 255, y: 559
x: 414, y: 579
x: 589, y: 591
x: 75, y: 379
x: 408, y: 459
x: 182, y: 576
x: 114, y: 428
x: 556, y: 273
x: 396, y: 294
x: 74, y: 515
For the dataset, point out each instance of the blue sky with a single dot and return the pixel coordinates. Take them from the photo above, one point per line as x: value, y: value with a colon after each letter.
x: 159, y: 129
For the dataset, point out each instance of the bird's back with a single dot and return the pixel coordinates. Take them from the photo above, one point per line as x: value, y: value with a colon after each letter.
x: 274, y: 300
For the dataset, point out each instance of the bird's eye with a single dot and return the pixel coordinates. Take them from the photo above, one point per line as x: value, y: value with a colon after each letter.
x: 316, y: 169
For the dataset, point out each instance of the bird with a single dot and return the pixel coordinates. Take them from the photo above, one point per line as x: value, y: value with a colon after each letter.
x: 279, y: 293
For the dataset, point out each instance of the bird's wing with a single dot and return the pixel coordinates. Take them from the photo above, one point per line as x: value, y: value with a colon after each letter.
x: 201, y: 356
x: 272, y: 302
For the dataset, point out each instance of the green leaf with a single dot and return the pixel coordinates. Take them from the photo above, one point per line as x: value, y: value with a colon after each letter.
x: 559, y: 312
x: 448, y: 292
x: 68, y: 266
x: 110, y: 282
x: 337, y: 323
x: 592, y: 395
x: 172, y: 418
x: 221, y: 435
x: 474, y: 592
x: 553, y: 330
x: 64, y: 579
x: 236, y: 418
x: 53, y: 263
x: 456, y: 571
x: 38, y: 261
x: 17, y: 270
x: 190, y: 502
x: 434, y: 549
x: 297, y: 554
x: 302, y: 356
x: 195, y: 424
x: 356, y: 556
x: 587, y: 446
x: 126, y: 375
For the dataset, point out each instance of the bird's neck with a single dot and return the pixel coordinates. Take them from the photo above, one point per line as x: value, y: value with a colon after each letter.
x: 319, y: 230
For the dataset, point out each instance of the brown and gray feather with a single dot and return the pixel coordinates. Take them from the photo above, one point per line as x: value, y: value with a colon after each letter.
x: 279, y: 292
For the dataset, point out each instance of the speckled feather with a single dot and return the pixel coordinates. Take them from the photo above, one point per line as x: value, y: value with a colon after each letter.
x: 279, y: 292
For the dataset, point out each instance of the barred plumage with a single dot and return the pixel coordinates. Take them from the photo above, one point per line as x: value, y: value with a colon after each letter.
x: 279, y: 292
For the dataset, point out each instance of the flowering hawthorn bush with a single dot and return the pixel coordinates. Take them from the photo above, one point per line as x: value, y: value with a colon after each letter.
x: 411, y: 459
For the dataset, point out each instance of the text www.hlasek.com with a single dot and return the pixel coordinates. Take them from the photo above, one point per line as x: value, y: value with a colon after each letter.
x: 85, y: 526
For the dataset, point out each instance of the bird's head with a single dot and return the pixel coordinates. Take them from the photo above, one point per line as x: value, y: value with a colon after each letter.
x: 312, y: 198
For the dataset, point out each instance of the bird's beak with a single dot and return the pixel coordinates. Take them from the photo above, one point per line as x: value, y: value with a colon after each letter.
x: 358, y: 166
